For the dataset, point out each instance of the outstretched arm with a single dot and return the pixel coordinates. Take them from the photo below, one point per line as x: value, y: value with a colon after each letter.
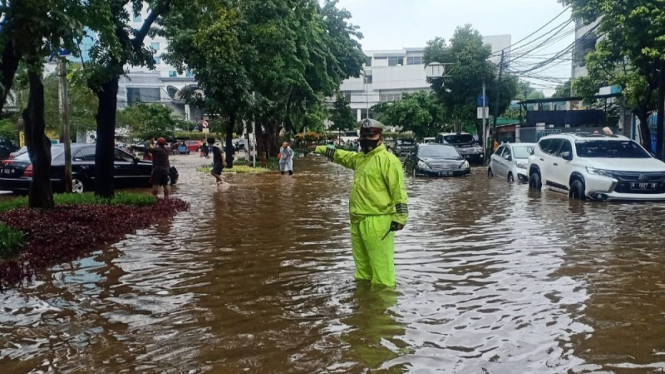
x: 344, y: 158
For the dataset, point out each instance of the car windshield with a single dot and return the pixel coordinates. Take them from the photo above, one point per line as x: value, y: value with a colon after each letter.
x: 406, y: 142
x: 610, y: 149
x: 439, y: 152
x: 522, y: 151
x: 458, y: 139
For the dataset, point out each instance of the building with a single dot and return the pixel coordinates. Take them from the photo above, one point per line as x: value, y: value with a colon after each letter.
x: 585, y: 42
x: 388, y: 75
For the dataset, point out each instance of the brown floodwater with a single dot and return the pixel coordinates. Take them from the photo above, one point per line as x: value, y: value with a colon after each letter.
x: 258, y: 278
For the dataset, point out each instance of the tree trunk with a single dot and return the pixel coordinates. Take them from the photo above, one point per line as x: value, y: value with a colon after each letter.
x: 229, y: 140
x: 39, y: 146
x: 259, y: 139
x: 645, y: 131
x: 8, y: 67
x: 105, y: 148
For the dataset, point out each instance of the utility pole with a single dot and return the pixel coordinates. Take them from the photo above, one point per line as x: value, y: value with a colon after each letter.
x: 484, y: 137
x: 660, y: 124
x: 496, y: 103
x: 64, y: 112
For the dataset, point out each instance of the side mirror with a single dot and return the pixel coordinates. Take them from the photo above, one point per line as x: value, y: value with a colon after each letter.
x: 567, y: 156
x: 136, y: 160
x: 508, y: 157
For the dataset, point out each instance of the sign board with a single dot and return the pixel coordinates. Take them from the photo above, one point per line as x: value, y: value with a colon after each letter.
x: 480, y: 112
x: 21, y: 139
x: 205, y: 124
x: 480, y: 100
x: 206, y: 130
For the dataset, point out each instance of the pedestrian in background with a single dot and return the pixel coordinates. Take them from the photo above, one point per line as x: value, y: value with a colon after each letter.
x: 218, y: 159
x: 286, y: 159
x: 160, y: 167
x: 150, y: 144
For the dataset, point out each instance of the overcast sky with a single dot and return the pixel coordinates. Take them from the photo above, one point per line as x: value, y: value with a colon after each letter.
x: 395, y: 24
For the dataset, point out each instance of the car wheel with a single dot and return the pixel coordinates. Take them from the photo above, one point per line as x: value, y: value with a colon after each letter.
x: 511, y: 179
x: 577, y: 190
x: 534, y: 181
x: 490, y: 173
x: 413, y: 172
x: 78, y: 186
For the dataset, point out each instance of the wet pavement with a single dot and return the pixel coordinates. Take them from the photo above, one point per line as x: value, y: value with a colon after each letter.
x: 258, y: 277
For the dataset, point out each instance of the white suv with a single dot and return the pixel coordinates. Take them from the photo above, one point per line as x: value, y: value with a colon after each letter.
x: 599, y: 167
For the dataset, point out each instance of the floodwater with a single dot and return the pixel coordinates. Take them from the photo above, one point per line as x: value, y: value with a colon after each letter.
x: 258, y: 278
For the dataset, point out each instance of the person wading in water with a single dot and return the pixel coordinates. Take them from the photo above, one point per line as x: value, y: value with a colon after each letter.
x: 378, y: 203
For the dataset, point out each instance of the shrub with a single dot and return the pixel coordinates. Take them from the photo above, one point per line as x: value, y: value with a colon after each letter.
x: 11, y: 242
x: 121, y: 198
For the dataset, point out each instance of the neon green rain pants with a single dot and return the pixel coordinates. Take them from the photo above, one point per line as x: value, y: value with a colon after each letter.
x: 374, y: 255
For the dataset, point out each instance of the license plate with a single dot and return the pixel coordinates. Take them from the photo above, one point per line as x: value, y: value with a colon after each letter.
x: 638, y: 186
x: 7, y: 171
x: 445, y: 173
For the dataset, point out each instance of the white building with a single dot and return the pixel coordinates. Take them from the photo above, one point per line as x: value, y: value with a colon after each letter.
x: 388, y: 75
x: 585, y: 42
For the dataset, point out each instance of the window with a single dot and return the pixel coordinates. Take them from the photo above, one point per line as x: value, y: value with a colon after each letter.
x: 121, y: 156
x: 368, y: 61
x: 414, y: 60
x: 544, y: 144
x: 565, y: 147
x: 610, y: 149
x: 138, y: 18
x: 523, y: 152
x: 439, y: 151
x: 158, y: 60
x: 499, y: 151
x: 507, y: 152
x: 85, y: 154
x: 154, y: 46
x: 394, y: 61
x: 458, y: 139
x: 554, y: 146
x: 189, y: 74
x: 368, y: 79
x: 173, y: 74
x: 143, y: 95
x: 390, y: 97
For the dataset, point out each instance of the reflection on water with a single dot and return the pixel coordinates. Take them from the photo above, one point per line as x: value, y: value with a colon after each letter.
x: 258, y: 277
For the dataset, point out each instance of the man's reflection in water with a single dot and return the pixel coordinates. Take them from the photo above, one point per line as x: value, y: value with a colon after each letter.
x: 373, y: 328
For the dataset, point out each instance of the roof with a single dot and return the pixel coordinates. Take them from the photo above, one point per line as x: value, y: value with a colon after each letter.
x: 565, y: 99
x: 587, y: 136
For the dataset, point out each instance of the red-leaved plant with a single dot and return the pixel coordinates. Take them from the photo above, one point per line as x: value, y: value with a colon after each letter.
x: 69, y: 232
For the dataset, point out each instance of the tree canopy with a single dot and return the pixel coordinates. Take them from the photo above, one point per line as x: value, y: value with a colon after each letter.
x: 421, y: 113
x: 341, y: 115
x: 628, y: 54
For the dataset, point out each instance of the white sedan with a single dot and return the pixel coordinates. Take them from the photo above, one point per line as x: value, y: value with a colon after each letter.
x: 510, y: 162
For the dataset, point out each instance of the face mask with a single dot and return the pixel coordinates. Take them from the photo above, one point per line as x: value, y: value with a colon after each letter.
x: 368, y: 145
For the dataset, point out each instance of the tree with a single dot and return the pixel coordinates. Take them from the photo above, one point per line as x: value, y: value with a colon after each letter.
x: 34, y: 30
x: 563, y: 90
x: 116, y: 46
x: 629, y: 54
x: 469, y: 67
x: 421, y: 113
x: 147, y: 120
x: 341, y: 115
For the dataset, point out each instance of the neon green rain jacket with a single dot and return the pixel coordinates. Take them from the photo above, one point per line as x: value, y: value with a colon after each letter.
x: 378, y: 183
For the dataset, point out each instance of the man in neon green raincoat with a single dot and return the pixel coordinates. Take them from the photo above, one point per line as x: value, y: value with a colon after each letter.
x: 378, y: 203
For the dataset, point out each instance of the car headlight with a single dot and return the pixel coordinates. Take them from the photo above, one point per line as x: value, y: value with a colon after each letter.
x: 465, y: 165
x: 522, y: 165
x: 422, y: 165
x: 478, y: 149
x: 601, y: 172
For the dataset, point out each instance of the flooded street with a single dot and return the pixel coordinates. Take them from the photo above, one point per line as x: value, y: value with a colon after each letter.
x: 258, y: 277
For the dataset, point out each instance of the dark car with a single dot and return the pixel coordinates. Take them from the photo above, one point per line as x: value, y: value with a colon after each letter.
x: 16, y: 174
x: 436, y: 160
x: 6, y: 148
x: 239, y: 145
x: 404, y: 147
x: 466, y: 144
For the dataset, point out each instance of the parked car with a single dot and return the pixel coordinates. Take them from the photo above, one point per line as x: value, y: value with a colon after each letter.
x: 193, y: 145
x: 18, y: 153
x: 510, y: 161
x: 239, y: 145
x: 599, y: 167
x: 429, y: 140
x: 466, y: 144
x: 436, y: 160
x: 404, y: 147
x: 16, y: 174
x: 6, y: 148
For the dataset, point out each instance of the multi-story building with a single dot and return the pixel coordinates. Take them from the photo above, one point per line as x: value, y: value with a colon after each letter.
x: 388, y: 75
